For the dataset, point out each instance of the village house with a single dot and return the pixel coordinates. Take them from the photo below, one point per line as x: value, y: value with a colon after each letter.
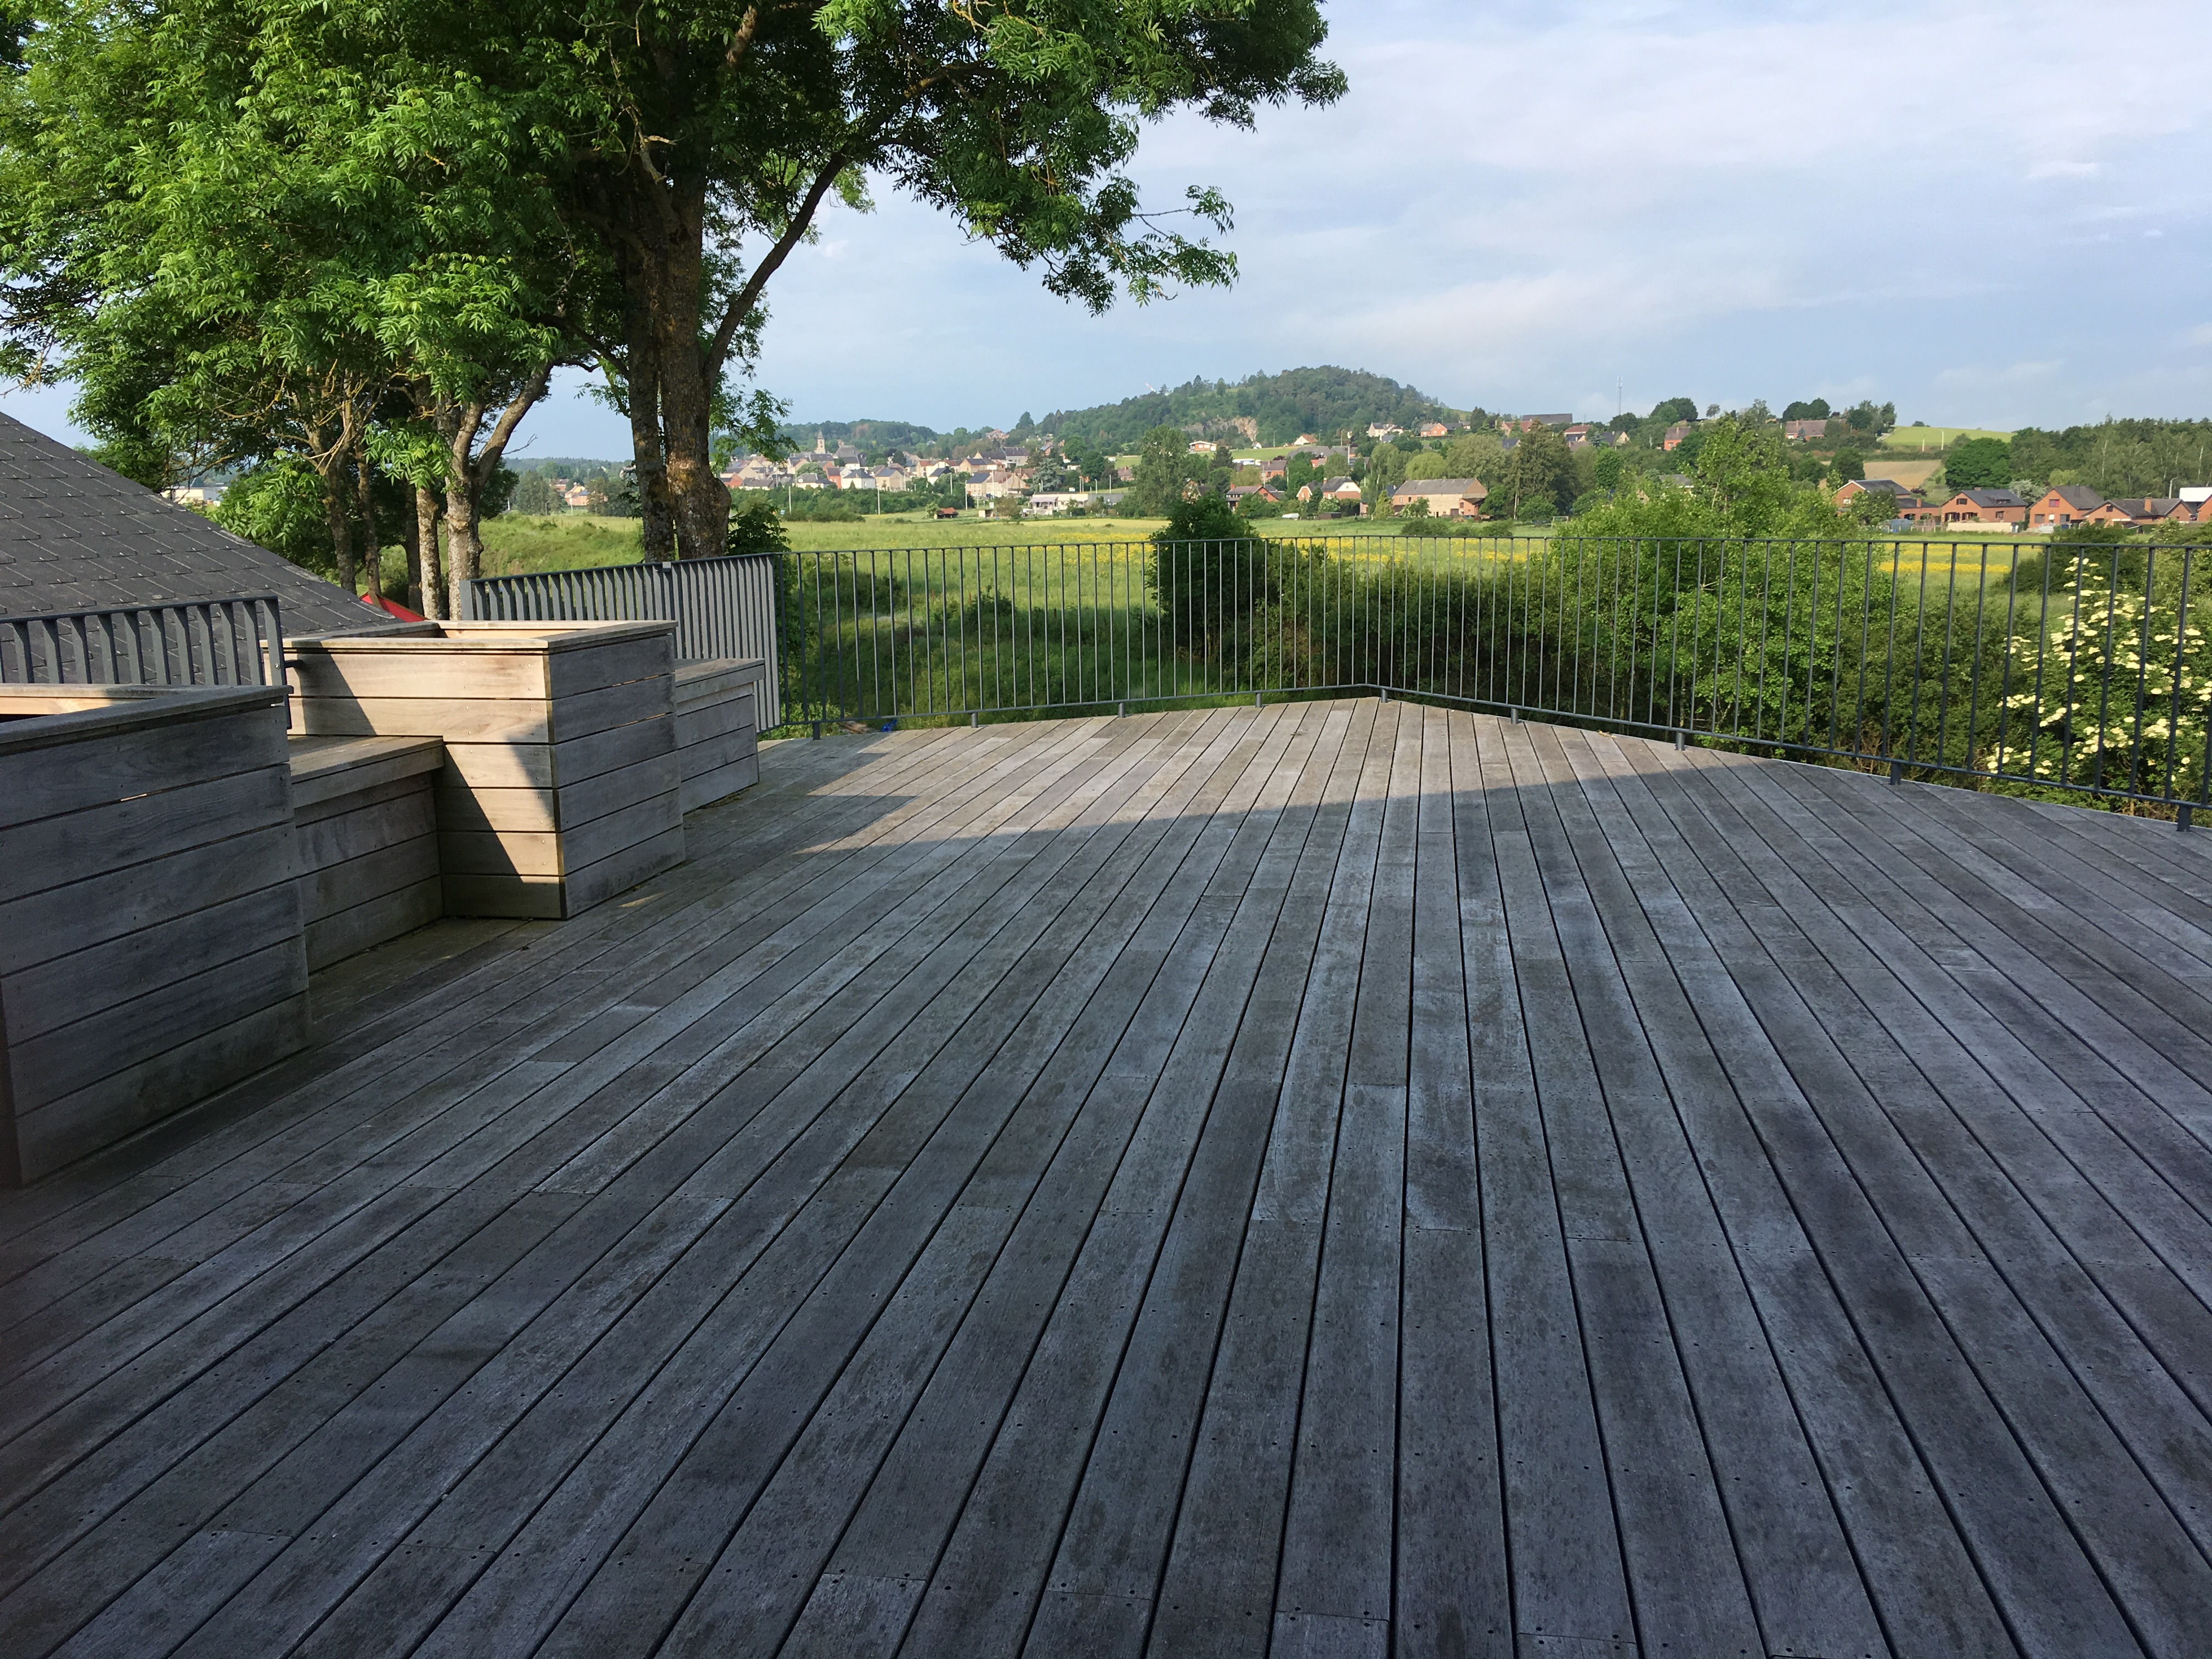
x: 1901, y: 500
x: 1275, y: 466
x: 2141, y: 511
x: 1585, y: 435
x: 1805, y: 431
x: 1048, y: 503
x: 1382, y: 429
x: 576, y: 496
x: 1446, y: 498
x: 1345, y: 491
x: 1241, y: 493
x: 1677, y: 435
x: 1435, y: 429
x: 2061, y: 504
x: 1989, y: 506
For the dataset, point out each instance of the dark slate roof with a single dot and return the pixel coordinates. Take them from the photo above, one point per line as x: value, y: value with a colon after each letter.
x: 77, y: 536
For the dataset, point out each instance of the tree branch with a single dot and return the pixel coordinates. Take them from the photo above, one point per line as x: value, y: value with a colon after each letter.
x: 495, y: 446
x: 749, y: 296
x: 741, y: 43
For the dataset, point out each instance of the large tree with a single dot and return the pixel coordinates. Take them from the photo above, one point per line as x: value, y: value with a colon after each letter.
x: 248, y: 231
x: 706, y: 137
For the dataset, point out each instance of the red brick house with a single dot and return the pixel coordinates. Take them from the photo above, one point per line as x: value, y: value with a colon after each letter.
x: 1675, y: 434
x: 2063, y: 504
x: 1984, y: 506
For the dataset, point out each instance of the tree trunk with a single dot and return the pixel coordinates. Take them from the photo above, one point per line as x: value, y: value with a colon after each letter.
x: 412, y: 531
x: 372, y: 555
x: 671, y: 383
x: 649, y: 468
x: 426, y: 553
x: 468, y: 470
x: 334, y: 516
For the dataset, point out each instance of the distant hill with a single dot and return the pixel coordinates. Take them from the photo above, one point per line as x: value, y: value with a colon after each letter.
x: 1261, y: 409
x: 861, y: 434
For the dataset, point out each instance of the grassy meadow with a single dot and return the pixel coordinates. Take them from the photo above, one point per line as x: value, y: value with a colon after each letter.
x: 515, y: 543
x: 1935, y: 437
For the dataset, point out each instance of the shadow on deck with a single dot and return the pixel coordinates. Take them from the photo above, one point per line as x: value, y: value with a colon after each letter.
x: 1343, y: 1178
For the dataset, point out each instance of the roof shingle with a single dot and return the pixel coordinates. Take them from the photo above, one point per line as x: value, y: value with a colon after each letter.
x: 77, y: 536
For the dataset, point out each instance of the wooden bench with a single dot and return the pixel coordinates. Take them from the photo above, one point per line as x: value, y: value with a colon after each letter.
x: 365, y: 819
x: 718, y: 727
x: 561, y: 787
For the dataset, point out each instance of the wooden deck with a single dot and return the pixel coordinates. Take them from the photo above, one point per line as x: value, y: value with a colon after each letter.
x: 1340, y: 1179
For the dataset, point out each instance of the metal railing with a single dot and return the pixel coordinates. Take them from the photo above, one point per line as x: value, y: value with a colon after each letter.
x: 227, y: 641
x: 2078, y: 667
x: 723, y: 607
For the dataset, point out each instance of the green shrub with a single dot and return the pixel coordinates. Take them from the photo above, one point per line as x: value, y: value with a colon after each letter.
x: 1209, y: 574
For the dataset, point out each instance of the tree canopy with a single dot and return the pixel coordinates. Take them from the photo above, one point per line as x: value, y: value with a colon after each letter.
x: 362, y: 236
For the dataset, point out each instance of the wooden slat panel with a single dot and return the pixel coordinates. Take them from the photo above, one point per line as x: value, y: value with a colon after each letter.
x: 456, y: 720
x: 464, y: 673
x: 84, y: 982
x: 75, y: 1125
x: 48, y: 852
x: 324, y: 768
x: 708, y: 681
x: 706, y: 788
x: 473, y: 895
x: 71, y: 1057
x: 338, y: 934
x: 366, y: 876
x: 571, y: 805
x: 584, y: 713
x: 32, y: 786
x: 694, y: 723
x: 622, y: 870
x: 495, y: 766
x: 616, y: 663
x: 376, y: 818
x: 105, y: 907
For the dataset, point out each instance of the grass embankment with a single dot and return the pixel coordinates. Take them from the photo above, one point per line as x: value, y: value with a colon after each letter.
x: 514, y: 542
x: 1935, y: 437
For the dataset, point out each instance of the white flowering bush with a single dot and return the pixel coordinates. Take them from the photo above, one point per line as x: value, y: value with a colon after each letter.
x: 2111, y: 692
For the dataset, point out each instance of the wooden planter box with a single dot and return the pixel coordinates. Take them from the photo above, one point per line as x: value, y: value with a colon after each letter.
x: 151, y: 948
x: 562, y: 784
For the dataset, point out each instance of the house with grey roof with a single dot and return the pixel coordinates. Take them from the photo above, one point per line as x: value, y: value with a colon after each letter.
x: 76, y: 537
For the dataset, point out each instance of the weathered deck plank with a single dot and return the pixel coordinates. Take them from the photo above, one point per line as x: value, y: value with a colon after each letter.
x: 1338, y: 1178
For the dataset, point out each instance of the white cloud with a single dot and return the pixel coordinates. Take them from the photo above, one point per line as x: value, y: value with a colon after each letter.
x: 1725, y: 200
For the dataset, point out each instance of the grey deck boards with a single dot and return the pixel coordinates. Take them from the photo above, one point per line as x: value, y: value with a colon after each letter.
x: 1340, y: 1178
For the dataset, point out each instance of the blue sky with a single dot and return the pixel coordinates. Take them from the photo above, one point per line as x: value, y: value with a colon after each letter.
x: 1990, y: 213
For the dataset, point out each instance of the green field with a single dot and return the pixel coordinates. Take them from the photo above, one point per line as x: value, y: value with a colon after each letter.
x: 514, y: 542
x: 1933, y: 438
